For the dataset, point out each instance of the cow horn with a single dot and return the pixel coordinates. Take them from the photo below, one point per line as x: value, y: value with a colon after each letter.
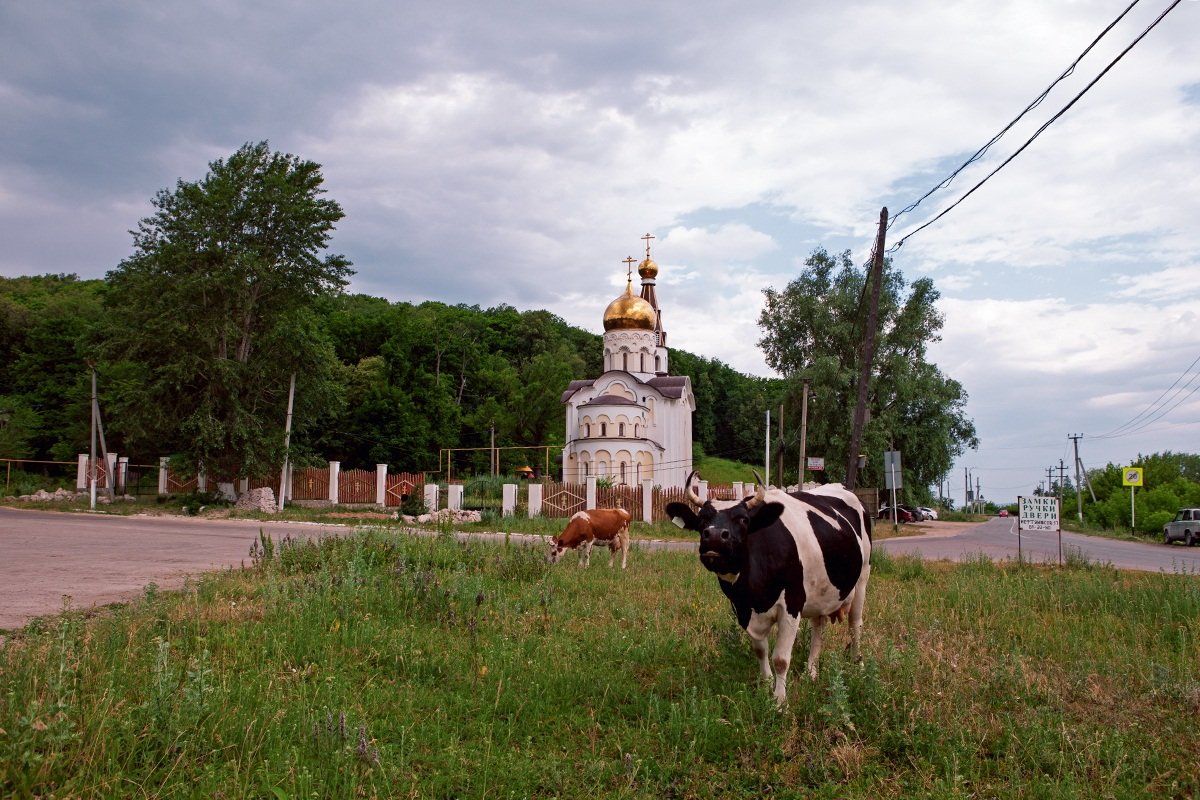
x: 760, y: 495
x: 690, y: 493
x: 757, y: 478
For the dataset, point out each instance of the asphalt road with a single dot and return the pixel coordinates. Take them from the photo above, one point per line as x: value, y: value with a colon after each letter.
x: 997, y: 539
x: 98, y: 559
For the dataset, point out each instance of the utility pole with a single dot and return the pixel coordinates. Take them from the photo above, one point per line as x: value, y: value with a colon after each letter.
x: 92, y: 454
x: 966, y: 490
x: 803, y: 433
x: 1062, y: 478
x: 978, y: 498
x: 868, y: 353
x: 287, y: 442
x: 1075, y: 437
x: 1050, y: 480
x: 781, y: 480
x: 767, y: 459
x: 493, y: 451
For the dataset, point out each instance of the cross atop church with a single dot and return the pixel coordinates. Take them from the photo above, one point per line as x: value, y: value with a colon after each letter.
x: 629, y: 268
x: 648, y: 237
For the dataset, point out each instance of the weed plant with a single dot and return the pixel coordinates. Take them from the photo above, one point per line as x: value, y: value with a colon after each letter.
x: 385, y: 665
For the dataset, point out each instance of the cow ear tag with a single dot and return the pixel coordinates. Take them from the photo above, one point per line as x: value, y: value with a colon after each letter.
x: 677, y: 522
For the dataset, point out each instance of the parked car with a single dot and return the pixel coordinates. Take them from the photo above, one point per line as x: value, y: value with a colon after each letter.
x: 930, y: 513
x: 1003, y: 512
x: 902, y: 514
x: 1185, y: 527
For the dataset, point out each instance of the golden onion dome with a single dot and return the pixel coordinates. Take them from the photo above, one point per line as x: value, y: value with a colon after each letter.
x: 629, y: 312
x: 648, y: 269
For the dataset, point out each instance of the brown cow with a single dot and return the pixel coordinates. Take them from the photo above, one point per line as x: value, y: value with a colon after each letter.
x: 609, y: 526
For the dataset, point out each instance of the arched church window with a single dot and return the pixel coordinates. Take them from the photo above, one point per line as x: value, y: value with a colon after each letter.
x: 658, y: 363
x: 643, y: 367
x: 623, y: 472
x: 625, y: 361
x: 621, y: 429
x: 587, y: 430
x: 635, y: 430
x: 604, y: 429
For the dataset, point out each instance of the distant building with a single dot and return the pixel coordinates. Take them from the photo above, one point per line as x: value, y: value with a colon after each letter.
x: 633, y: 422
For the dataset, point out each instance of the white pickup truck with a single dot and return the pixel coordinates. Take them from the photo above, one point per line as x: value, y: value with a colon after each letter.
x: 1185, y: 527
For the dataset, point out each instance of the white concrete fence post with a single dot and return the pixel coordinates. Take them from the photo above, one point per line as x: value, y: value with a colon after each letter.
x: 81, y: 473
x: 335, y: 471
x: 647, y: 500
x: 431, y: 497
x: 163, y: 471
x: 509, y: 502
x: 590, y: 492
x: 702, y: 489
x: 535, y: 499
x: 123, y: 474
x: 454, y: 497
x: 381, y: 485
x: 737, y: 490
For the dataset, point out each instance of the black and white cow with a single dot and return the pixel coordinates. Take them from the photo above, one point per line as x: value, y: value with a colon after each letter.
x: 782, y: 557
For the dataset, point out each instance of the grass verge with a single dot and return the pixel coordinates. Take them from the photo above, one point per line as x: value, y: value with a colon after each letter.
x: 383, y: 665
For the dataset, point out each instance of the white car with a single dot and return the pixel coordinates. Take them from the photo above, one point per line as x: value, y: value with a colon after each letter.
x: 928, y: 512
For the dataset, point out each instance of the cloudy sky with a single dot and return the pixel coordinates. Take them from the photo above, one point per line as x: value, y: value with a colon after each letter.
x: 515, y: 152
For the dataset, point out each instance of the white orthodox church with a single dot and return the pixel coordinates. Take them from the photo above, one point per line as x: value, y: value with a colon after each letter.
x: 634, y: 422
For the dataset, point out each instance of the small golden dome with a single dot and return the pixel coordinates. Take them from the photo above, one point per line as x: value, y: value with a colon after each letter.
x: 629, y: 312
x: 648, y: 269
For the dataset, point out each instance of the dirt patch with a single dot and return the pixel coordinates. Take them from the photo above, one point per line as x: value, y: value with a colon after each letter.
x: 935, y: 527
x: 359, y: 515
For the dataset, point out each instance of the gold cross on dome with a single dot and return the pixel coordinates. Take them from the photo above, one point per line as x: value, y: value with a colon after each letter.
x: 648, y: 237
x: 629, y: 267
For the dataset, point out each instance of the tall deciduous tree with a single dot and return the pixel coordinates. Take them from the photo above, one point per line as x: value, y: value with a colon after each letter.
x: 215, y: 306
x: 813, y: 329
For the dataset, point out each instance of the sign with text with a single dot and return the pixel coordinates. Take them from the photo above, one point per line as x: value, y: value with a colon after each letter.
x: 1131, y: 476
x: 1038, y: 513
x: 816, y: 463
x: 891, y: 470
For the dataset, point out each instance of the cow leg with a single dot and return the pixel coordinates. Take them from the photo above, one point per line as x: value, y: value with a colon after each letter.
x: 585, y: 553
x: 785, y: 639
x: 856, y: 612
x: 814, y: 647
x: 758, y: 630
x: 621, y: 541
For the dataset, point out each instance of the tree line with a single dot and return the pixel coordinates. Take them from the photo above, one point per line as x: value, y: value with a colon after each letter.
x: 229, y: 292
x: 1171, y: 481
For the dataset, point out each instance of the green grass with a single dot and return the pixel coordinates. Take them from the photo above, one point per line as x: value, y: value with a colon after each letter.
x: 385, y: 665
x: 723, y: 470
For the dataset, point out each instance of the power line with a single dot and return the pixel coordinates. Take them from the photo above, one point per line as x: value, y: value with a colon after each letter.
x: 1036, y: 102
x: 1039, y: 131
x: 1115, y: 432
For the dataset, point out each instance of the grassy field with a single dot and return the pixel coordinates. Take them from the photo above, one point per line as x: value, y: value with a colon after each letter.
x: 384, y: 665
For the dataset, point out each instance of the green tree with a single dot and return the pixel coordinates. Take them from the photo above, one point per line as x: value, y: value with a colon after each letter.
x: 216, y: 308
x: 47, y: 327
x: 813, y: 330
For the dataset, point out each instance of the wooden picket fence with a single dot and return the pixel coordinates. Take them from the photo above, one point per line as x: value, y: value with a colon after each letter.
x: 561, y: 500
x: 401, y: 485
x: 356, y: 486
x: 311, y: 483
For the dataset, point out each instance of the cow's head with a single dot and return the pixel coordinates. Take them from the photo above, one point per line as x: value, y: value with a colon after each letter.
x: 557, y: 548
x: 724, y: 526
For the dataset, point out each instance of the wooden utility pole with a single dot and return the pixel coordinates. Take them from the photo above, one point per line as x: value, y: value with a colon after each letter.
x: 868, y: 353
x: 803, y: 434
